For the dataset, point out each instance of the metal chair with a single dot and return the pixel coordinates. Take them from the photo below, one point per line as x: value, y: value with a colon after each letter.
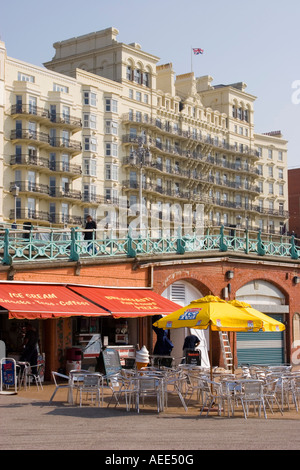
x: 91, y: 384
x: 251, y: 392
x: 148, y: 386
x: 36, y: 373
x: 122, y: 385
x: 56, y: 376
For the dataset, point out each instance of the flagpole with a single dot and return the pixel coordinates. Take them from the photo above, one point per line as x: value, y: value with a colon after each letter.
x: 191, y: 59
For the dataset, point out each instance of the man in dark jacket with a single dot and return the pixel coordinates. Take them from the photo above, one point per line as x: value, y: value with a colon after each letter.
x: 90, y: 225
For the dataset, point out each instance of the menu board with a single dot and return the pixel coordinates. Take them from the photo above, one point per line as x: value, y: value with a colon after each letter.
x: 110, y: 361
x: 193, y: 357
x: 8, y: 372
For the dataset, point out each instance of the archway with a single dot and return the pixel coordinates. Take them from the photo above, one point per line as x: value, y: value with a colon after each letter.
x: 261, y: 347
x: 182, y: 293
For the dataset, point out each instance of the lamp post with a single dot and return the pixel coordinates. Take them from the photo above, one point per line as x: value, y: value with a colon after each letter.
x: 143, y: 157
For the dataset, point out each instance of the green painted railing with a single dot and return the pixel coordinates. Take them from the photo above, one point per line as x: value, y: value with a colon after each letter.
x: 40, y: 244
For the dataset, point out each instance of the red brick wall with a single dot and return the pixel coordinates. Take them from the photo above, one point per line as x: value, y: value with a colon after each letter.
x: 208, y: 277
x: 294, y: 200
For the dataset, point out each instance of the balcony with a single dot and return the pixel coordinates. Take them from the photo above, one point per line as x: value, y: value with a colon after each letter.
x: 39, y: 138
x: 63, y: 167
x: 37, y: 113
x: 29, y: 187
x: 66, y: 121
x: 29, y: 214
x: 65, y: 193
x: 272, y: 212
x: 30, y: 110
x: 62, y: 143
x: 64, y: 219
x: 29, y: 160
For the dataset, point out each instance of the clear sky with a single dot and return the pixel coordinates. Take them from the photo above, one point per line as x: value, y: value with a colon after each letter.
x: 255, y: 41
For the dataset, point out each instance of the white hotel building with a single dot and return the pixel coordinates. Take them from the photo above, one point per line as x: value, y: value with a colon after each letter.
x: 71, y: 135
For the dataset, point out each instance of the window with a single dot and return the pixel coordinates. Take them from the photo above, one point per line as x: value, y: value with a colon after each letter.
x: 270, y: 171
x: 90, y: 144
x: 61, y: 88
x: 280, y: 156
x: 32, y: 105
x: 32, y: 130
x: 260, y: 169
x: 271, y: 188
x: 89, y: 98
x: 111, y: 194
x: 281, y: 207
x: 130, y: 93
x: 31, y: 180
x: 65, y: 212
x: 280, y: 173
x: 23, y: 77
x: 65, y: 159
x: 137, y: 76
x: 129, y: 73
x: 111, y: 127
x: 138, y: 96
x: 111, y: 149
x: 89, y: 167
x: 280, y: 190
x: 146, y: 79
x: 270, y: 154
x: 111, y: 105
x: 66, y: 114
x: 259, y: 151
x: 31, y: 207
x: 65, y: 138
x: 111, y: 172
x: 89, y: 121
x: 146, y: 99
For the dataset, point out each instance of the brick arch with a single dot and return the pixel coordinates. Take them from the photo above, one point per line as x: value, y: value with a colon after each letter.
x: 268, y: 280
x: 181, y: 276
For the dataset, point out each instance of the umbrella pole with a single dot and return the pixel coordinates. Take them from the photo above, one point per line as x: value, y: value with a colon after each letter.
x: 210, y: 352
x: 233, y: 352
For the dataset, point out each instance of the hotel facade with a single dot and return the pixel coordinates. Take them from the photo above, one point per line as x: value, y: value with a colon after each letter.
x: 103, y: 128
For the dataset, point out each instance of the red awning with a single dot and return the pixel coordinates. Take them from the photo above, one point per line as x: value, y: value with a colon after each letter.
x: 127, y: 302
x: 32, y: 301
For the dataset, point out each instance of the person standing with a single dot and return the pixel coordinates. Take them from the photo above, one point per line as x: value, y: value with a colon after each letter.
x: 89, y: 236
x: 30, y: 345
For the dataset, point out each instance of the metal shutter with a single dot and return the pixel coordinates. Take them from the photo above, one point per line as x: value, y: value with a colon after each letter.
x: 261, y: 347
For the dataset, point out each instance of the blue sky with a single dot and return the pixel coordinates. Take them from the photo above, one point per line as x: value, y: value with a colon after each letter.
x: 255, y: 42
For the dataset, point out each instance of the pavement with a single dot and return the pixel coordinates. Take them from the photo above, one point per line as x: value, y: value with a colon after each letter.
x: 29, y: 422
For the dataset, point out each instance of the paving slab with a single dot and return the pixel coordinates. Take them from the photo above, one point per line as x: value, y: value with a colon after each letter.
x: 28, y: 422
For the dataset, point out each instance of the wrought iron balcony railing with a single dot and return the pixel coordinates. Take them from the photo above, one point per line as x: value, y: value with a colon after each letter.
x: 37, y: 245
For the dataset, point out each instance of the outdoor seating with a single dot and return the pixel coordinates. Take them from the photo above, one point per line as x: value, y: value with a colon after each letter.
x: 35, y: 373
x: 173, y: 384
x: 216, y: 394
x: 22, y: 368
x: 148, y: 386
x: 91, y: 384
x: 251, y: 392
x: 121, y: 386
x: 270, y: 391
x: 58, y: 385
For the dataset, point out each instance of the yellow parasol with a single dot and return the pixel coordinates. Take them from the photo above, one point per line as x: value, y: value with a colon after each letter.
x: 213, y: 312
x: 269, y: 323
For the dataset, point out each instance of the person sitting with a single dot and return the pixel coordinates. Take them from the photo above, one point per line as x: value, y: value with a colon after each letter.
x: 191, y: 342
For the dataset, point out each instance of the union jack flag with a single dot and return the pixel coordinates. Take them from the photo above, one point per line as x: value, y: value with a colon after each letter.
x: 197, y: 51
